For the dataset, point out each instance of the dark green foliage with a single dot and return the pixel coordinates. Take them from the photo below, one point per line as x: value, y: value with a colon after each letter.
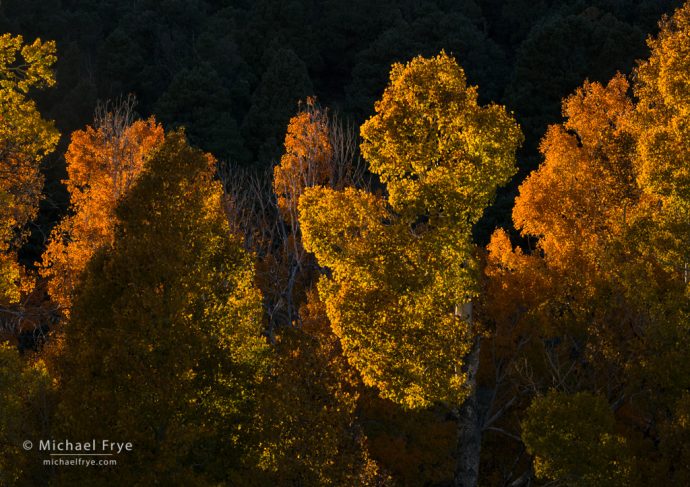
x: 559, y: 54
x: 107, y: 48
x: 283, y: 84
x: 198, y: 99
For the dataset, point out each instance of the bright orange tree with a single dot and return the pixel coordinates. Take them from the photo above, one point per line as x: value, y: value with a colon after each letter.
x: 560, y: 308
x: 307, y: 158
x: 102, y: 163
x: 603, y: 302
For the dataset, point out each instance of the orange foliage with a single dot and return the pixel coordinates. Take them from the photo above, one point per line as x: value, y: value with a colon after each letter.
x: 581, y: 197
x: 102, y: 167
x: 515, y: 283
x: 580, y: 203
x: 414, y: 447
x: 307, y: 158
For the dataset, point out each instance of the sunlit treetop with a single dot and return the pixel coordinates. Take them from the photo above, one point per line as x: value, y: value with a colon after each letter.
x: 401, y: 263
x: 103, y: 163
x: 434, y: 146
x: 663, y: 111
x: 25, y: 140
x: 306, y: 159
x: 26, y: 66
x: 583, y: 192
x: 661, y: 124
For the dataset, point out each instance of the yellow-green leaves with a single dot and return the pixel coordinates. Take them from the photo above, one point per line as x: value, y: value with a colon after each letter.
x: 25, y: 139
x: 661, y: 124
x: 26, y: 66
x: 399, y: 264
x: 436, y: 149
x: 573, y: 439
x: 163, y: 346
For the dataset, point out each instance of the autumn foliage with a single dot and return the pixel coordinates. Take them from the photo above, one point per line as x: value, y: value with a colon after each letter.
x: 25, y: 140
x: 155, y: 290
x: 401, y: 264
x: 605, y: 309
x: 103, y: 163
x: 307, y: 157
x: 342, y: 317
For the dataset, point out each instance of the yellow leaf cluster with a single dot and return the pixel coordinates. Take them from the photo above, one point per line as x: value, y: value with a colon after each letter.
x: 401, y: 263
x: 25, y: 140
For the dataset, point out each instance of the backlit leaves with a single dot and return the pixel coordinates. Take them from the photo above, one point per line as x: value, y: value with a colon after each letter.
x: 401, y: 263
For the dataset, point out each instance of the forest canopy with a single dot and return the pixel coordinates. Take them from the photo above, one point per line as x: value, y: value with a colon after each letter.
x: 344, y: 243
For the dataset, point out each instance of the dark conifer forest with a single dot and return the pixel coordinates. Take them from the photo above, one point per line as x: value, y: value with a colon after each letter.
x: 345, y: 243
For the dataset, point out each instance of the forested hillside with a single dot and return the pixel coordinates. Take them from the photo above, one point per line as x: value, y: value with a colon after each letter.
x: 232, y: 72
x: 388, y: 243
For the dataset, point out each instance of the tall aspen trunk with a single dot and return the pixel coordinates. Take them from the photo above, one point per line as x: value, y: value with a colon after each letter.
x: 469, y: 428
x: 468, y: 417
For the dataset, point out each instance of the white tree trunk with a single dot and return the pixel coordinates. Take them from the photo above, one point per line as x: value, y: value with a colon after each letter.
x: 468, y: 418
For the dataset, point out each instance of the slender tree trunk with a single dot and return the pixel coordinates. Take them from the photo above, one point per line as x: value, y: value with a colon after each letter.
x: 469, y: 427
